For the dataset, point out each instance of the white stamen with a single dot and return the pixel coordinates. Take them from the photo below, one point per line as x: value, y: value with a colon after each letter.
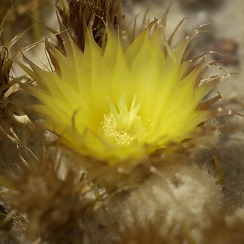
x: 124, y: 126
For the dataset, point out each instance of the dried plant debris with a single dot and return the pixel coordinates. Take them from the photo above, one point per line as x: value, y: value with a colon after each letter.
x: 14, y: 123
x: 13, y: 120
x: 8, y: 85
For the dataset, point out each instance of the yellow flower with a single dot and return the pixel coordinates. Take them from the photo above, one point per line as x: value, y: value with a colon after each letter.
x: 120, y: 102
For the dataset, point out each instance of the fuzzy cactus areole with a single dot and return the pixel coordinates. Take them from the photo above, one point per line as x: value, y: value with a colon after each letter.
x: 122, y: 101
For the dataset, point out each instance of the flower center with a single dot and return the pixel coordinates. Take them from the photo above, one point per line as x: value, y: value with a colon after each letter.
x: 124, y: 126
